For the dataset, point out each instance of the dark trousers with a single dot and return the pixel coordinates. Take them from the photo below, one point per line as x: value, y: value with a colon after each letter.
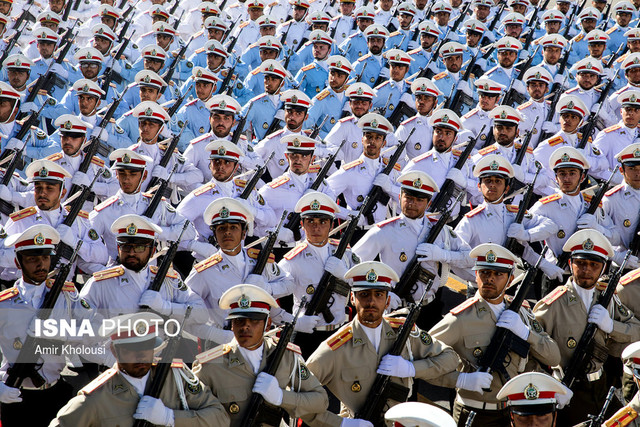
x: 588, y: 398
x: 38, y: 407
x: 483, y: 418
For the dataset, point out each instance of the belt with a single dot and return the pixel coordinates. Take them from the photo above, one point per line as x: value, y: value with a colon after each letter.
x: 595, y: 376
x: 327, y: 328
x: 42, y: 387
x: 476, y: 404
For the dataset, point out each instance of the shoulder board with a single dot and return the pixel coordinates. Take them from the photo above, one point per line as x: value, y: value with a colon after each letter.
x: 417, y: 50
x: 128, y: 113
x: 81, y: 214
x: 98, y: 382
x: 557, y: 293
x: 551, y: 198
x: 387, y: 221
x: 627, y: 278
x: 213, y: 353
x: 409, y: 120
x: 315, y: 168
x: 509, y: 299
x: 148, y: 195
x: 601, y: 286
x: 573, y: 89
x: 612, y: 128
x: 578, y: 37
x: 212, y: 260
x: 395, y: 33
x: 171, y: 273
x: 440, y: 75
x: 588, y: 197
x: 276, y: 133
x: 493, y: 69
x: 254, y: 72
x: 422, y: 156
x: 97, y: 161
x: 334, y: 242
x: 462, y: 307
x: 336, y: 340
x: 383, y: 84
x: 470, y: 113
x: 199, y: 50
x: 290, y: 346
x: 240, y: 182
x: 395, y: 322
x: 244, y: 24
x: 24, y: 213
x: 456, y: 153
x: 254, y: 252
x: 54, y: 157
x: 108, y: 273
x: 476, y: 211
x: 525, y: 105
x: 622, y: 418
x: 611, y: 30
x: 362, y: 58
x: 346, y: 119
x: 200, y: 138
x: 322, y: 95
x: 295, y: 251
x: 556, y: 140
x: 252, y: 45
x: 353, y: 164
x: 308, y: 67
x: 67, y: 287
x: 397, y: 166
x: 8, y: 293
x: 106, y: 203
x: 192, y: 102
x: 278, y: 182
x: 512, y: 208
x: 614, y: 190
x: 622, y: 58
x: 203, y: 189
x: 487, y: 150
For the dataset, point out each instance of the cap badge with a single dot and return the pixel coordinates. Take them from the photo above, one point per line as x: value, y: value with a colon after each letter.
x: 68, y: 125
x: 417, y: 183
x: 372, y: 276
x: 126, y: 158
x: 85, y: 88
x: 147, y: 78
x: 294, y: 99
x: 587, y: 245
x: 39, y: 239
x: 222, y: 104
x: 148, y: 112
x: 374, y: 123
x: 199, y: 73
x: 43, y: 173
x: 491, y: 257
x: 222, y: 151
x: 315, y: 205
x: 494, y: 166
x: 445, y: 119
x: 359, y: 91
x: 141, y: 328
x: 244, y: 302
x: 503, y: 114
x: 636, y: 153
x: 486, y: 86
x: 531, y: 392
x: 339, y: 65
x: 570, y: 104
x: 296, y: 142
x: 132, y: 229
x: 224, y: 212
x: 565, y: 157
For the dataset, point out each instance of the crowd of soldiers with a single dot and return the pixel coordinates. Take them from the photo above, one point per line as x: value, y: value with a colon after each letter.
x: 347, y: 206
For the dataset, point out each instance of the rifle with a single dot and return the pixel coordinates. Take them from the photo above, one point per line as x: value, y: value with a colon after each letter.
x: 603, y: 26
x: 154, y: 387
x: 110, y: 73
x: 315, y: 130
x: 159, y: 194
x: 556, y: 92
x: 122, y: 35
x: 426, y: 72
x: 286, y: 33
x: 28, y: 367
x: 240, y: 126
x: 172, y: 68
x: 175, y: 7
x: 12, y: 43
x: 251, y: 184
x: 470, y: 418
x: 401, y: 110
x: 589, y: 128
x: 503, y: 340
x: 263, y: 258
x: 439, y: 203
x: 178, y: 103
x: 383, y: 388
x: 460, y: 97
x: 232, y: 44
x: 496, y: 18
x: 26, y: 11
x: 609, y: 62
x: 260, y: 412
x: 359, y: 78
x: 406, y: 285
x: 533, y: 23
x: 575, y: 11
x: 274, y: 126
x: 512, y: 244
x: 376, y: 194
x: 67, y: 10
x: 460, y: 19
x: 293, y: 223
x: 382, y: 111
x: 598, y: 420
x: 512, y: 95
x: 164, y: 160
x: 581, y: 357
x: 227, y: 79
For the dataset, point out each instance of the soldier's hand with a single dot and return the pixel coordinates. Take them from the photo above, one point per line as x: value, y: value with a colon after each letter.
x: 518, y: 173
x: 355, y: 422
x: 336, y: 267
x: 549, y: 127
x: 29, y: 107
x: 267, y: 385
x: 203, y: 249
x: 600, y: 316
x: 13, y: 144
x: 431, y: 252
x: 474, y: 381
x: 154, y: 301
x: 511, y: 320
x: 154, y: 411
x: 160, y: 172
x: 518, y: 232
x: 9, y: 394
x: 383, y: 181
x: 286, y: 235
x: 396, y: 366
x: 60, y: 71
x: 588, y: 221
x: 394, y: 301
x: 551, y: 270
x: 457, y: 177
x: 67, y: 235
x: 81, y: 178
x: 305, y: 324
x: 5, y: 193
x: 257, y: 280
x: 564, y: 399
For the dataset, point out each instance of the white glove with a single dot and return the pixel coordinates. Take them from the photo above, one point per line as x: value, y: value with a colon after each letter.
x: 115, y: 66
x: 165, y: 132
x: 80, y: 178
x: 463, y: 86
x: 203, y: 249
x: 29, y: 107
x: 9, y: 394
x: 67, y: 235
x: 154, y: 301
x: 519, y: 87
x: 431, y: 252
x: 394, y: 301
x: 600, y: 316
x: 154, y: 411
x: 511, y: 320
x: 588, y: 221
x: 286, y: 235
x: 558, y: 79
x: 457, y: 177
x: 383, y: 181
x: 518, y: 173
x: 632, y: 262
x: 13, y: 144
x: 160, y: 172
x: 60, y: 71
x: 549, y: 127
x: 100, y: 133
x: 474, y: 381
x: 267, y: 385
x: 256, y: 280
x: 336, y: 267
x: 434, y: 68
x: 355, y: 422
x: 518, y: 232
x: 551, y: 270
x: 305, y: 324
x: 595, y: 107
x: 396, y: 366
x: 563, y: 399
x: 5, y: 193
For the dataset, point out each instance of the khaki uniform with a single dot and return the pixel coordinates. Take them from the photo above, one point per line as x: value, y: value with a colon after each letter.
x: 231, y: 378
x: 346, y: 363
x: 628, y: 291
x: 111, y: 400
x: 627, y: 416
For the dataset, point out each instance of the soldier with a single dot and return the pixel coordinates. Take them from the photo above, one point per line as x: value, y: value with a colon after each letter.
x: 249, y: 29
x: 296, y: 27
x: 468, y: 328
x: 162, y: 34
x: 47, y: 40
x: 355, y: 46
x: 451, y: 54
x: 347, y: 362
x: 597, y: 44
x: 90, y: 64
x: 628, y: 416
x: 587, y: 21
x: 534, y: 399
x: 235, y: 370
x: 251, y: 55
x: 118, y: 395
x: 623, y: 13
x: 377, y: 67
x: 149, y: 85
x: 395, y: 90
x: 421, y: 56
x: 631, y: 68
x: 315, y: 74
x: 505, y: 72
x: 342, y: 24
x: 402, y: 38
x: 589, y: 72
x: 475, y: 32
x: 488, y: 96
x: 441, y: 15
x: 565, y: 312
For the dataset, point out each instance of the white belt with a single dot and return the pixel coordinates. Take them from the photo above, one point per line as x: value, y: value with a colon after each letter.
x: 327, y: 328
x: 476, y: 404
x: 595, y: 376
x: 42, y: 387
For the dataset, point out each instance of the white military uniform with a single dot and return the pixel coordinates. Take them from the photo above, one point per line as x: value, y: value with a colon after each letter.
x: 622, y: 204
x: 612, y: 140
x: 421, y: 140
x: 529, y: 111
x: 474, y: 120
x: 346, y: 129
x: 436, y: 165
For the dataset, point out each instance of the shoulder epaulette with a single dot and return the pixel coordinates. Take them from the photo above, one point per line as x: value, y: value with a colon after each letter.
x: 416, y: 50
x: 397, y: 166
x: 387, y: 221
x: 192, y: 102
x: 200, y: 138
x: 67, y: 287
x: 199, y: 50
x: 97, y: 161
x: 512, y: 208
x: 213, y: 353
x: 204, y: 188
x: 395, y: 322
x: 614, y: 190
x: 470, y: 113
x: 148, y: 195
x: 422, y: 156
x: 322, y: 95
x: 622, y: 418
x: 578, y: 37
x: 487, y: 150
x: 462, y: 307
x: 334, y: 242
x: 336, y: 340
x: 99, y: 381
x: 8, y: 293
x: 612, y: 128
x: 106, y: 203
x: 556, y: 140
x: 24, y: 213
x: 588, y: 197
x: 395, y: 33
x: 551, y: 198
x: 525, y: 105
x: 240, y: 182
x: 440, y: 75
x: 476, y: 211
x: 509, y: 299
x: 611, y: 30
x: 352, y: 164
x: 171, y: 273
x: 557, y: 293
x: 244, y: 24
x: 295, y: 251
x: 346, y: 119
x: 81, y: 213
x: 255, y: 252
x: 108, y: 273
x: 274, y: 134
x: 278, y: 182
x: 314, y: 168
x: 627, y: 278
x: 212, y: 260
x: 54, y: 157
x: 308, y: 67
x: 362, y: 58
x: 456, y: 153
x: 622, y: 58
x: 254, y: 72
x: 409, y: 120
x: 290, y: 346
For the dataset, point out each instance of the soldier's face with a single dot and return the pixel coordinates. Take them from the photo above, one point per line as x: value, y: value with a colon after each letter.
x: 215, y: 33
x: 5, y: 8
x: 587, y: 80
x: 204, y: 90
x: 249, y: 332
x: 88, y: 104
x: 363, y: 23
x: 46, y: 49
x: 473, y: 38
x: 135, y: 255
x: 405, y: 20
x: 316, y: 26
x: 600, y: 5
x: 632, y: 175
x: 299, y: 13
x: 569, y: 180
x: 453, y: 63
x: 222, y: 169
x: 102, y: 44
x: 569, y: 122
x: 359, y: 107
x: 633, y: 75
x: 34, y: 267
x: 56, y: 5
x: 47, y: 195
x: 295, y: 118
x: 6, y: 109
x: 596, y: 49
x: 552, y: 27
x: 271, y: 83
x: 630, y: 116
x: 504, y: 135
x: 491, y: 283
x: 134, y: 362
x: 268, y: 54
x: 370, y: 304
x: 337, y: 79
x: 149, y: 130
x: 519, y: 8
x: 398, y: 71
x: 552, y: 54
x: 71, y: 144
x: 506, y: 58
x: 268, y: 30
x: 375, y: 45
x: 563, y: 6
x: 427, y: 40
x: 623, y: 18
x: 221, y: 124
x: 152, y: 64
x: 298, y: 162
x: 546, y: 420
x: 492, y: 188
x: 320, y: 50
x: 229, y: 236
x: 586, y: 272
x: 347, y: 8
x: 482, y: 12
x: 17, y: 78
x: 443, y: 138
x: 442, y: 18
x: 89, y: 70
x: 385, y: 4
x: 588, y: 24
x: 634, y: 45
x: 129, y: 180
x: 164, y: 41
x: 109, y: 22
x: 215, y: 61
x: 255, y: 13
x: 373, y: 143
x: 425, y: 103
x: 513, y: 30
x: 317, y: 229
x: 413, y: 207
x: 487, y: 102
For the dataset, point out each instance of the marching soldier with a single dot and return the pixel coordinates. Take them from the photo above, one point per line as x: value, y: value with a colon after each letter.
x: 505, y: 72
x: 631, y: 68
x: 355, y: 46
x: 395, y: 90
x: 315, y: 74
x: 342, y: 24
x: 488, y: 96
x: 588, y: 72
x: 628, y: 416
x: 451, y: 54
x: 377, y: 67
x: 421, y: 56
